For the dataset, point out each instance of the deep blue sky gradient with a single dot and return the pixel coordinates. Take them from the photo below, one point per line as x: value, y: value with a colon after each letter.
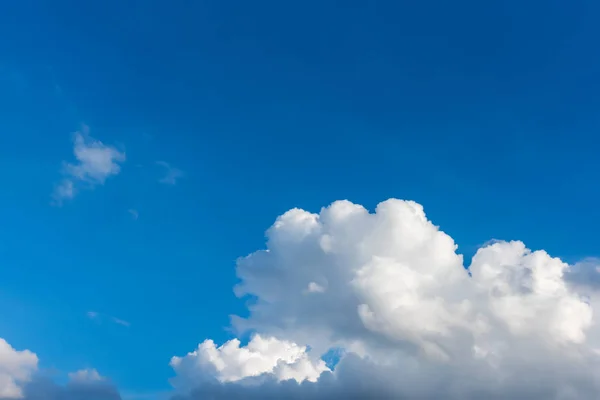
x: 487, y: 113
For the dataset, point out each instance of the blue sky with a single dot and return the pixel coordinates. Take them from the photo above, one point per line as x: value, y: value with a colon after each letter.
x: 486, y: 113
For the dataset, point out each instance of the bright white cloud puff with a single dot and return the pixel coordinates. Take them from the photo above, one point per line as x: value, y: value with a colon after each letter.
x: 231, y: 363
x: 391, y: 290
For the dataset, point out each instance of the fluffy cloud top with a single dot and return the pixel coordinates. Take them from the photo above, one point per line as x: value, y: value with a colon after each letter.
x: 95, y: 163
x: 16, y: 369
x: 230, y: 362
x: 391, y: 290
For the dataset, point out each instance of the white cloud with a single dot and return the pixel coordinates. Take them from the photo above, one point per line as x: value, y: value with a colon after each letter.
x: 85, y: 376
x: 171, y: 173
x: 232, y: 362
x: 314, y: 287
x: 16, y: 370
x: 412, y: 321
x: 95, y: 163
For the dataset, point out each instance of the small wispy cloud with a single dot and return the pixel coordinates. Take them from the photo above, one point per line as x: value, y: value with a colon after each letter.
x: 92, y: 315
x: 171, y: 175
x: 98, y: 317
x: 95, y: 163
x: 134, y: 213
x: 120, y: 322
x: 85, y: 376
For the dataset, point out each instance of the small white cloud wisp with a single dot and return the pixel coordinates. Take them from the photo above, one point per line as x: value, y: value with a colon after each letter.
x: 134, y: 213
x: 100, y: 318
x: 171, y: 174
x: 85, y: 376
x: 95, y: 163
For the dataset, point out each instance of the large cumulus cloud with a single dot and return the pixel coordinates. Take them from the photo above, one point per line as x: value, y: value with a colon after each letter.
x: 391, y: 290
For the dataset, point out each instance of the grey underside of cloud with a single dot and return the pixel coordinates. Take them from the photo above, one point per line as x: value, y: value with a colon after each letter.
x: 585, y: 273
x: 357, y: 379
x: 46, y: 389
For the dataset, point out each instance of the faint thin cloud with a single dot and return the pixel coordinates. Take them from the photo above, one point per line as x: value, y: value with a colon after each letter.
x: 121, y: 322
x: 92, y: 315
x: 64, y: 190
x: 134, y: 213
x: 96, y: 316
x: 171, y: 175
